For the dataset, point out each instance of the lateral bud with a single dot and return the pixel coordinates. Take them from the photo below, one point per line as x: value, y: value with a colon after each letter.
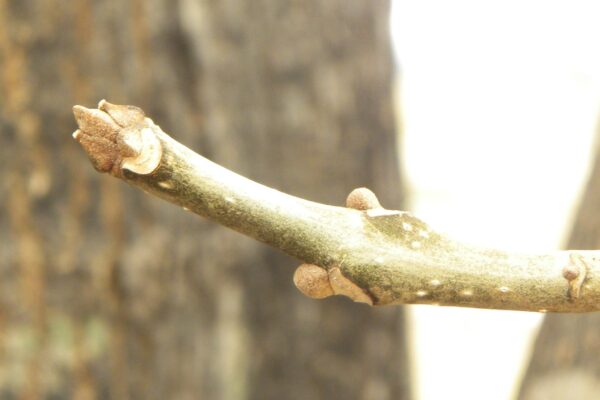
x: 313, y: 281
x: 362, y: 199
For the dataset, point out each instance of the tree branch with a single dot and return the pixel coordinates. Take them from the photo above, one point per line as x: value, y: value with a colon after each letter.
x: 362, y: 251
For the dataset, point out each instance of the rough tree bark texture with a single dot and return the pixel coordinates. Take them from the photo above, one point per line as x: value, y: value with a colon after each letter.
x: 566, y: 357
x: 108, y: 292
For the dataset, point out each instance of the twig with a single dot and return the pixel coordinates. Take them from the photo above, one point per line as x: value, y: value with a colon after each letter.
x: 363, y: 251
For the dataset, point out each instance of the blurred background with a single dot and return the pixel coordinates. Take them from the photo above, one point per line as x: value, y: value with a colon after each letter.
x: 481, y: 118
x: 499, y: 104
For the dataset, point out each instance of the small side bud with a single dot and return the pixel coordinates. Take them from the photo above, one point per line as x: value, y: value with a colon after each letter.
x: 575, y: 273
x: 313, y: 281
x: 362, y: 199
x: 570, y: 272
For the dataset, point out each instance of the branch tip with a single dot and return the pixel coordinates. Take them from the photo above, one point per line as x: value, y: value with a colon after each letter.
x: 117, y: 137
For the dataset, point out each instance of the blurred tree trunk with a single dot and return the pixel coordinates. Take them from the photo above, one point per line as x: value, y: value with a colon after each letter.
x: 566, y: 357
x: 106, y: 292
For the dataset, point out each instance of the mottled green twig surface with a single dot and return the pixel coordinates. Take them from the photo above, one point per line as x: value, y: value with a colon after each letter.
x: 363, y: 251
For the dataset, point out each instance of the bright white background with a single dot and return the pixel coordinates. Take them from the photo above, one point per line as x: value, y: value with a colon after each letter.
x: 499, y: 103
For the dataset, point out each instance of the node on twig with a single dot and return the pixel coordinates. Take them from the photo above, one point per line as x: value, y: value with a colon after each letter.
x: 318, y: 283
x: 575, y: 273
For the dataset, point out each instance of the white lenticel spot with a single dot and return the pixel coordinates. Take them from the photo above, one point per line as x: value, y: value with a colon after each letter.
x: 424, y: 234
x: 415, y: 244
x: 435, y: 282
x: 421, y: 293
x: 504, y: 289
x: 166, y: 184
x: 379, y: 260
x: 406, y: 226
x: 229, y: 199
x: 466, y: 292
